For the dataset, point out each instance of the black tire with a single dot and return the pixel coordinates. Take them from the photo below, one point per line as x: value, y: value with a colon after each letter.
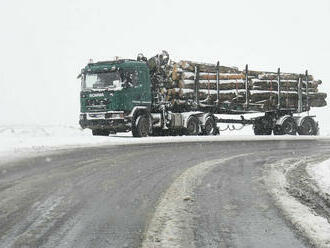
x: 192, y: 126
x: 158, y: 132
x: 262, y: 127
x: 176, y: 132
x: 210, y: 127
x: 278, y: 130
x: 141, y: 126
x: 100, y: 132
x: 288, y: 127
x: 308, y: 127
x: 261, y: 131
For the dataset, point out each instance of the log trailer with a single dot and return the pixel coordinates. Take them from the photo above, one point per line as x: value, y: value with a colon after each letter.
x: 133, y: 95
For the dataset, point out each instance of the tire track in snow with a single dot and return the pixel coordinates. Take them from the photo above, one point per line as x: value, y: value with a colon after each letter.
x: 172, y: 222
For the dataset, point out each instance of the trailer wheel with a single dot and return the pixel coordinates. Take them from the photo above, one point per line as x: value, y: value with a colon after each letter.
x: 192, y: 126
x: 100, y: 132
x: 210, y: 127
x: 141, y: 126
x: 307, y: 127
x: 288, y: 126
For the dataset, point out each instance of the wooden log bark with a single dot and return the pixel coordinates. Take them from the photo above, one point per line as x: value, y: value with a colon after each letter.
x: 177, y: 83
x: 210, y: 76
x: 284, y: 83
x: 284, y: 76
x: 235, y: 84
x: 203, y: 67
x: 205, y: 84
x: 213, y: 86
x: 186, y: 94
x: 288, y: 98
x: 282, y: 88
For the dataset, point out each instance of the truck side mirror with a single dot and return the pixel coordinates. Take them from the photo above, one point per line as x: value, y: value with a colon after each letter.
x: 81, y: 73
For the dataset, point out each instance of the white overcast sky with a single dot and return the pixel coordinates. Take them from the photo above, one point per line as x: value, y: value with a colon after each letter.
x: 44, y: 44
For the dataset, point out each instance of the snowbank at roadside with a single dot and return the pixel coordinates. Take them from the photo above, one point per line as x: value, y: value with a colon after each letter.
x: 321, y: 175
x: 23, y: 140
x: 315, y: 227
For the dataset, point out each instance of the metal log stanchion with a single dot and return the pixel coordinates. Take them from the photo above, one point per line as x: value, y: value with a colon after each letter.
x: 278, y: 88
x: 307, y: 100
x: 246, y: 87
x: 300, y: 102
x: 218, y: 85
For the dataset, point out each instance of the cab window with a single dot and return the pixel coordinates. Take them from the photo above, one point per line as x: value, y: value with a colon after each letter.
x: 129, y: 78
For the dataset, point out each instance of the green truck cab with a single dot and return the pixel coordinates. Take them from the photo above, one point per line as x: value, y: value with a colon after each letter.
x: 111, y: 93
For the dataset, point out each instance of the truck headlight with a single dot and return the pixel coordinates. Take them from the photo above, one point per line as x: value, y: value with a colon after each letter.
x: 117, y: 115
x: 114, y: 115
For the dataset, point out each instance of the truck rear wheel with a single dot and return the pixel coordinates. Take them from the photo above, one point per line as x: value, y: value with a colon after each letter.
x: 263, y: 126
x: 192, y: 126
x: 278, y: 130
x: 210, y: 127
x: 100, y: 132
x: 307, y: 127
x: 261, y: 131
x: 141, y: 126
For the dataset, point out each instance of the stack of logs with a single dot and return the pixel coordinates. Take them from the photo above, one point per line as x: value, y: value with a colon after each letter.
x: 262, y: 87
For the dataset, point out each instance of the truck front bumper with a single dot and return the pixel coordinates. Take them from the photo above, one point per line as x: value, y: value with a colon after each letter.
x: 117, y: 124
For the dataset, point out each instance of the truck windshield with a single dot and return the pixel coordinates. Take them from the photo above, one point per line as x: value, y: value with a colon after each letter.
x: 102, y: 80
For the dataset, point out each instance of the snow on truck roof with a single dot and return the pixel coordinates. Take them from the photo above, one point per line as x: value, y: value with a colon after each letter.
x: 116, y: 62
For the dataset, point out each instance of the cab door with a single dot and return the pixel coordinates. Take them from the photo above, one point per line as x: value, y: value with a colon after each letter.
x: 144, y: 82
x: 132, y: 87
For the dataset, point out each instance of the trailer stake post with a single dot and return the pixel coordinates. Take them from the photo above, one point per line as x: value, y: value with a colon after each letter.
x: 307, y: 100
x: 246, y: 86
x: 300, y: 102
x: 218, y: 86
x: 197, y: 85
x: 278, y: 88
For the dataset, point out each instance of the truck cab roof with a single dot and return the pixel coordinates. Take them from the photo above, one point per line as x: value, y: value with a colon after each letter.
x: 102, y: 66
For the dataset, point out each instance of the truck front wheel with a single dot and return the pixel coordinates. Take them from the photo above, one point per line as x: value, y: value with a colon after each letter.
x: 141, y: 126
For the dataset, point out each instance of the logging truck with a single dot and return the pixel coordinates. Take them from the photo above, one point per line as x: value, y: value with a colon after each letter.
x: 162, y: 97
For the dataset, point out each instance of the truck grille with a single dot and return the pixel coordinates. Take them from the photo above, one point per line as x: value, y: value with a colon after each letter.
x: 97, y: 102
x: 97, y: 108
